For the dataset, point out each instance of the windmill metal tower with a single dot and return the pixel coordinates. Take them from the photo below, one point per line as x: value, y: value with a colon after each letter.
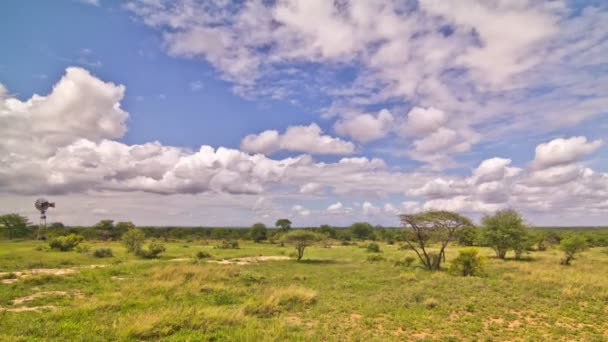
x: 42, y: 205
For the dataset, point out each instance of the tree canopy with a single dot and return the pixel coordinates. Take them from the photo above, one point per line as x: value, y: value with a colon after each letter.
x: 284, y: 224
x: 504, y: 231
x: 301, y: 239
x: 15, y: 224
x: 258, y: 232
x: 432, y: 227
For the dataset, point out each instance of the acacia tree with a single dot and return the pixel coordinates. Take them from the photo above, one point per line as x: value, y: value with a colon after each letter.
x: 301, y: 239
x: 284, y: 224
x: 572, y: 246
x: 432, y: 227
x: 15, y: 224
x: 504, y: 231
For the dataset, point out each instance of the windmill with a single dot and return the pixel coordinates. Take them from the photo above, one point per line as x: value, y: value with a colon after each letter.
x: 42, y: 205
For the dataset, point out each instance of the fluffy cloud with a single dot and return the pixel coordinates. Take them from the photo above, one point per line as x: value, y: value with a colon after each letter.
x: 309, y: 139
x: 369, y: 209
x: 494, y: 169
x: 80, y: 105
x: 564, y: 151
x: 311, y: 188
x: 434, y: 56
x: 421, y: 121
x: 300, y: 210
x: 365, y: 127
x: 79, y: 157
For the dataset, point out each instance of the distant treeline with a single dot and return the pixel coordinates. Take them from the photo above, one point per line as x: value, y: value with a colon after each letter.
x: 469, y: 236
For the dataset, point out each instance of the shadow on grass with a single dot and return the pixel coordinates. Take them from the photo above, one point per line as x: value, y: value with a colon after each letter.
x: 318, y: 261
x: 513, y: 259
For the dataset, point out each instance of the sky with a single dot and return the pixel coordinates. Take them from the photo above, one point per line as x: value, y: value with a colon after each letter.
x: 227, y: 113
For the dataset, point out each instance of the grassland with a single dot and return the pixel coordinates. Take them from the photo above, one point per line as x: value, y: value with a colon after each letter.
x: 334, y: 294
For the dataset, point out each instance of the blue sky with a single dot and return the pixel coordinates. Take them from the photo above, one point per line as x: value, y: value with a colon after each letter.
x: 320, y: 113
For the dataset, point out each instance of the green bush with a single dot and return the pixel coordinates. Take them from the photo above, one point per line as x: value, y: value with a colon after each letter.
x: 134, y: 240
x: 83, y: 249
x: 153, y: 250
x: 375, y: 258
x: 468, y: 263
x: 202, y: 255
x: 373, y: 248
x: 226, y: 244
x: 103, y: 253
x: 407, y: 262
x: 66, y: 243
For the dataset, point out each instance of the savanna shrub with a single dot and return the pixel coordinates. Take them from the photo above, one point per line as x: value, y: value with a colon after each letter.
x: 202, y: 255
x: 467, y: 263
x: 103, y: 253
x: 373, y: 248
x: 407, y: 262
x: 571, y: 246
x: 153, y: 251
x: 229, y: 244
x: 83, y: 249
x: 65, y: 243
x: 133, y: 239
x: 375, y: 258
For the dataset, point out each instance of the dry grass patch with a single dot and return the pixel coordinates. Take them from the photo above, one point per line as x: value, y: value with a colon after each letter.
x: 281, y: 299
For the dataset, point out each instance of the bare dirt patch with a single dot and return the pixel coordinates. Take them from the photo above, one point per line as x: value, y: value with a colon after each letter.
x: 249, y: 260
x: 43, y: 271
x: 181, y: 259
x: 29, y: 308
x: 21, y: 300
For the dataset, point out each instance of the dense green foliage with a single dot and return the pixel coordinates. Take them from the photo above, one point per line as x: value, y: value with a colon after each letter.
x: 571, y: 246
x: 134, y: 240
x: 373, y: 248
x: 283, y: 224
x: 362, y: 231
x: 505, y: 231
x: 468, y: 262
x: 258, y: 232
x: 153, y: 250
x: 16, y: 225
x: 65, y: 243
x: 103, y: 253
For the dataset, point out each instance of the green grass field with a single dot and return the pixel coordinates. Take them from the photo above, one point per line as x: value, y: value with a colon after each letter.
x: 334, y: 294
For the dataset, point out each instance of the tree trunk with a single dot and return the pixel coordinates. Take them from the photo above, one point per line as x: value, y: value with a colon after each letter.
x: 300, y: 252
x: 501, y: 253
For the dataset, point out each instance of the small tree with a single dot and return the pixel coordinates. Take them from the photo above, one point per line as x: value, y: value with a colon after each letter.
x: 104, y: 225
x: 468, y: 262
x: 284, y: 224
x: 572, y: 246
x: 301, y: 239
x: 432, y: 227
x: 504, y: 231
x: 328, y: 231
x: 134, y: 240
x: 361, y: 230
x: 15, y: 224
x: 540, y: 239
x: 258, y: 232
